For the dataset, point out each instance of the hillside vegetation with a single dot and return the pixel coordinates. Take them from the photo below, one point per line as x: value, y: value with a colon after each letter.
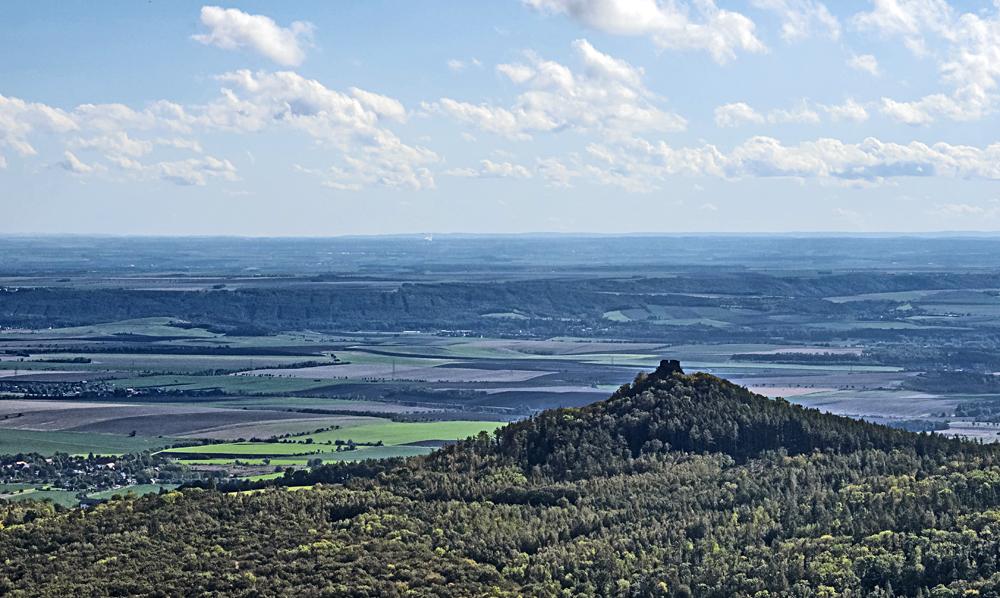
x: 676, y: 485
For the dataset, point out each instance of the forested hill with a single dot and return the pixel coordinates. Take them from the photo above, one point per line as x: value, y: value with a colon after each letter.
x: 668, y: 410
x: 677, y: 485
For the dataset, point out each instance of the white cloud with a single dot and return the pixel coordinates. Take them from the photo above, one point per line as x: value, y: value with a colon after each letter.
x: 484, y: 116
x: 3, y: 162
x: 491, y: 169
x: 929, y: 108
x: 111, y: 118
x: 195, y: 171
x: 19, y: 119
x: 117, y: 143
x: 379, y: 104
x: 969, y: 63
x: 517, y: 73
x: 607, y: 97
x: 736, y: 114
x: 800, y: 114
x: 458, y: 65
x: 800, y: 18
x: 74, y: 165
x: 641, y: 165
x: 909, y: 19
x: 178, y: 143
x: 232, y: 29
x: 351, y: 123
x: 504, y: 170
x: 865, y: 63
x: 740, y: 113
x: 556, y: 173
x: 849, y: 110
x: 123, y: 152
x: 719, y: 32
x: 910, y: 113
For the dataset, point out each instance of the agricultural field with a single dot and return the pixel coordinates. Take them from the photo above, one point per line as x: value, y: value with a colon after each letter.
x: 14, y: 441
x: 65, y: 498
x: 384, y: 347
x: 371, y: 439
x: 250, y: 385
x: 400, y: 433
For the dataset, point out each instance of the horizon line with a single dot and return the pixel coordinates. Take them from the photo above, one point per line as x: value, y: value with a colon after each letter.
x: 430, y: 235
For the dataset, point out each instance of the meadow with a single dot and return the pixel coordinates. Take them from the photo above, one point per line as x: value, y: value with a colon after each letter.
x: 394, y: 439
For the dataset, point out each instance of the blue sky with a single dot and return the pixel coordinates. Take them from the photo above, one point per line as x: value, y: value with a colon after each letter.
x: 368, y: 117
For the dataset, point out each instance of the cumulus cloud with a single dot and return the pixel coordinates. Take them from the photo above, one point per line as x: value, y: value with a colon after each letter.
x: 909, y: 19
x: 865, y: 63
x: 19, y: 119
x: 606, y: 96
x: 670, y: 25
x: 801, y: 113
x: 117, y: 143
x: 850, y: 110
x: 74, y: 165
x: 111, y: 118
x: 103, y: 132
x: 195, y: 171
x: 800, y: 19
x: 233, y: 29
x: 351, y: 123
x: 504, y: 170
x: 736, y: 114
x: 969, y: 64
x: 872, y: 161
x: 384, y: 106
x: 740, y: 113
x: 491, y: 169
x: 556, y: 173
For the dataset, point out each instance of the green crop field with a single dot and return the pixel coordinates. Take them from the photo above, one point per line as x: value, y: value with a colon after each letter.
x: 47, y: 443
x: 66, y: 498
x: 153, y: 326
x: 394, y: 433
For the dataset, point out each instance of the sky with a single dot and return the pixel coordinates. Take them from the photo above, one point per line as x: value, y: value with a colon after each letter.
x: 344, y: 117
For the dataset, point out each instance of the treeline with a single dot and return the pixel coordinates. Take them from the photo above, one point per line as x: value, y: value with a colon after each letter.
x: 425, y: 305
x: 954, y: 382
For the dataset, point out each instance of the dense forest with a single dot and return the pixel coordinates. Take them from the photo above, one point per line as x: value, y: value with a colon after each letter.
x: 676, y: 485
